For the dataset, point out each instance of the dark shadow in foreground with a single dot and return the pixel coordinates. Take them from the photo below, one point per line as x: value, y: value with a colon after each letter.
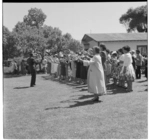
x: 88, y: 102
x: 77, y: 104
x: 20, y: 87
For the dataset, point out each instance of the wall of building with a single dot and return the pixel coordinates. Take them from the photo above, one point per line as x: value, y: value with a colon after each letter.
x: 117, y: 45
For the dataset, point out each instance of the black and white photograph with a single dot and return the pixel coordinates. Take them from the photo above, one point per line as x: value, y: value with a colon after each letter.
x: 75, y: 70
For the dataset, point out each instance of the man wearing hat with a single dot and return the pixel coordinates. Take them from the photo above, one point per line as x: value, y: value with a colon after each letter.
x: 32, y: 63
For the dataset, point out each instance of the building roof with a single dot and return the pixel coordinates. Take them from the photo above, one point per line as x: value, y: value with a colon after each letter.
x: 115, y: 37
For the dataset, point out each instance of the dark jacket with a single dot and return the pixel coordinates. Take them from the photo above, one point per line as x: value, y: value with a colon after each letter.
x: 103, y: 57
x: 32, y: 63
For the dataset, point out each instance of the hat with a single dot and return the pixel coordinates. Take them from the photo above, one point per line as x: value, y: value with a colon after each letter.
x: 114, y: 52
x: 133, y: 51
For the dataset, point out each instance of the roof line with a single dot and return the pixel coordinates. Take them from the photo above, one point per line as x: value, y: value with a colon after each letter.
x: 90, y: 37
x: 120, y: 40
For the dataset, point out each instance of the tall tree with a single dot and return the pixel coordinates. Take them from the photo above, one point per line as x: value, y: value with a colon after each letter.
x: 35, y: 17
x: 135, y: 19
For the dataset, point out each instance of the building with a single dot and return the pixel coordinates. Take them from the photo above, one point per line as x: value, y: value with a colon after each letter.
x: 115, y: 41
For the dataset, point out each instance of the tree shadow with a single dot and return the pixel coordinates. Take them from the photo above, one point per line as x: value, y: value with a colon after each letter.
x: 21, y: 87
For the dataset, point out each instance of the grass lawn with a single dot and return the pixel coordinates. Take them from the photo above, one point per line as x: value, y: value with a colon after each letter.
x: 54, y: 110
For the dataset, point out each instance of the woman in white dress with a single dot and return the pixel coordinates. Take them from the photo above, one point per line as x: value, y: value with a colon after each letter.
x: 95, y: 77
x: 128, y: 70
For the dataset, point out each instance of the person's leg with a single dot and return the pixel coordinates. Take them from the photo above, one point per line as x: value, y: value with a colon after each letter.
x: 139, y: 72
x: 32, y: 79
x: 96, y: 97
x: 128, y: 86
x: 131, y: 86
x: 146, y: 72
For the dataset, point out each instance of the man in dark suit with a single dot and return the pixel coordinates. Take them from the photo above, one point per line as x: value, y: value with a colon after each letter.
x: 31, y: 61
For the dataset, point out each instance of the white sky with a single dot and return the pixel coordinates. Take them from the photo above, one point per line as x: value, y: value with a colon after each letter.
x: 74, y: 18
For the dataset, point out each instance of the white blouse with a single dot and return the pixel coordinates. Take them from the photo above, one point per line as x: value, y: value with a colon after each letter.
x: 127, y: 59
x: 121, y: 58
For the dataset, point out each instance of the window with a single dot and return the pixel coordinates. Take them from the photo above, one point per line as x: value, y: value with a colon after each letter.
x: 143, y: 49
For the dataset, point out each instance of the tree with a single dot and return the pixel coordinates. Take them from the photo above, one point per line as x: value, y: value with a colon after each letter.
x: 10, y: 49
x: 135, y: 19
x: 75, y: 45
x: 35, y: 17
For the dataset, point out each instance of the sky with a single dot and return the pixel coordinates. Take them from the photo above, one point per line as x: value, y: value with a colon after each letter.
x: 74, y: 18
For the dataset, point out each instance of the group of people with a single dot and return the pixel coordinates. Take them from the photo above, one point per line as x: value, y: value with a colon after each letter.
x: 94, y: 67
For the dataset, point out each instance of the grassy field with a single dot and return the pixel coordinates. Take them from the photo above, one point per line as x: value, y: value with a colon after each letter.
x: 54, y: 110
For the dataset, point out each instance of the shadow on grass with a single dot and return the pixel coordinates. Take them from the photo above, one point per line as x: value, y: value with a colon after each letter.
x: 82, y: 86
x: 12, y: 76
x: 143, y: 90
x: 73, y: 84
x: 83, y: 89
x: 115, y: 89
x: 80, y: 97
x: 52, y: 108
x: 47, y: 77
x: 77, y: 104
x: 21, y: 87
x: 88, y: 102
x: 141, y: 81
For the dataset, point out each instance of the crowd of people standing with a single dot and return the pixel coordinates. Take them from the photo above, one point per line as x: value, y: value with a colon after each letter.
x: 123, y: 66
x: 94, y: 67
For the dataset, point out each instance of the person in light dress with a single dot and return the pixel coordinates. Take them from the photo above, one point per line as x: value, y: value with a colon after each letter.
x: 128, y: 70
x: 95, y: 76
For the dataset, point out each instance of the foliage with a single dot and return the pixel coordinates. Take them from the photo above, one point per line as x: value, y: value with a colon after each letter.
x: 135, y: 19
x: 35, y: 17
x: 10, y: 49
x: 32, y: 35
x: 75, y: 45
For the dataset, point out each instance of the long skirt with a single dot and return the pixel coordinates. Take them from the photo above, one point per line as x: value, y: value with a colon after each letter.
x: 129, y: 75
x: 96, y: 80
